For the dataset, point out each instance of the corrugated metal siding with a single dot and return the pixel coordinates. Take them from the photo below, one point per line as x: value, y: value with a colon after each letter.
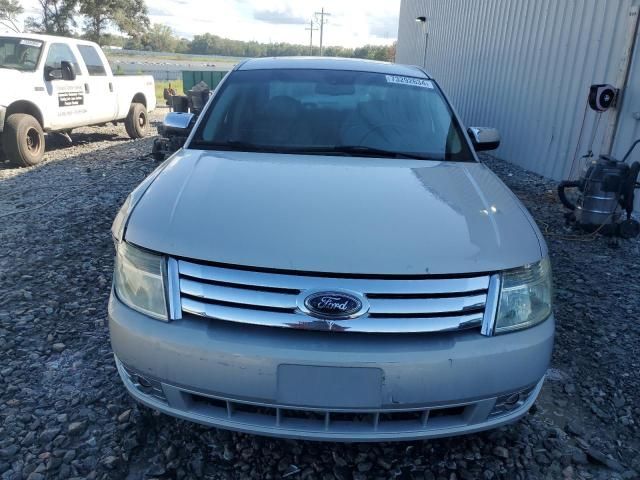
x: 525, y: 67
x: 629, y: 127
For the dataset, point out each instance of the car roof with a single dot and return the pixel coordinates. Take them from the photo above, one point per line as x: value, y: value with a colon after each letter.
x: 46, y: 38
x: 332, y: 63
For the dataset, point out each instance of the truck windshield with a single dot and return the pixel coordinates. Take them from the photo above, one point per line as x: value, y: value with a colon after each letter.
x: 332, y: 112
x: 19, y: 53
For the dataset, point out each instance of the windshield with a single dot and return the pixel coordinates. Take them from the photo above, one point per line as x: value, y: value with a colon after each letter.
x: 19, y: 53
x: 332, y: 112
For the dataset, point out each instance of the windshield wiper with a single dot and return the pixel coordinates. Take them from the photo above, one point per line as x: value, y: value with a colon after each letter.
x: 362, y: 150
x: 349, y: 150
x: 234, y: 145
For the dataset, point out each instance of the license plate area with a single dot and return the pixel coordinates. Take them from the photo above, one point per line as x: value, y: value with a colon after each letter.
x: 329, y: 387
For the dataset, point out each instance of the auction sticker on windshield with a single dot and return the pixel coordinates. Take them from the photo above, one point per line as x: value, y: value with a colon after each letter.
x: 414, y: 82
x: 30, y: 43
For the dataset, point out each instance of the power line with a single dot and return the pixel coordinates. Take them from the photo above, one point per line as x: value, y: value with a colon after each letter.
x: 311, y: 29
x: 322, y: 22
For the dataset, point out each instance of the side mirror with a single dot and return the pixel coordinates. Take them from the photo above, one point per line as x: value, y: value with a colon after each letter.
x: 484, y: 138
x: 51, y: 74
x: 174, y: 131
x: 68, y: 73
x: 178, y: 124
x: 65, y: 72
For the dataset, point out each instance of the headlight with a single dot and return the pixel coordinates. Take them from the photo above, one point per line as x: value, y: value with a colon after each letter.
x: 525, y: 297
x: 138, y: 279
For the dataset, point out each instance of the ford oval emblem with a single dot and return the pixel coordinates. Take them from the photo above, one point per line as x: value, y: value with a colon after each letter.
x: 334, y: 305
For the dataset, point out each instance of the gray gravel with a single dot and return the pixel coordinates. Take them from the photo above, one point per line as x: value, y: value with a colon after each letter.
x: 64, y: 413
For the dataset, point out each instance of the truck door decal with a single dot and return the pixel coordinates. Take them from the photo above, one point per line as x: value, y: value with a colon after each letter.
x: 70, y: 96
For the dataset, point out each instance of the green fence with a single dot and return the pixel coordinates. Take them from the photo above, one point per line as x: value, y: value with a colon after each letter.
x: 211, y: 78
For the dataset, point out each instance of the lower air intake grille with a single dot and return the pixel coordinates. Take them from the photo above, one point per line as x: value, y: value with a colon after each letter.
x: 330, y: 421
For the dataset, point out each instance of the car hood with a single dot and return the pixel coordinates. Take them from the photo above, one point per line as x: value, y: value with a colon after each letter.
x: 346, y: 215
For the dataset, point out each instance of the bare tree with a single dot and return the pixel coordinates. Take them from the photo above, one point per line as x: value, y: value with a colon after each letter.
x: 9, y: 11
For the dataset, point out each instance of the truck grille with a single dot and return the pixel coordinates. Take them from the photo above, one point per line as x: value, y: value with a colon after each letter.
x: 396, y: 304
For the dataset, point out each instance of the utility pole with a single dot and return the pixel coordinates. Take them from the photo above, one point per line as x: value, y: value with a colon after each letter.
x: 311, y: 29
x: 322, y: 14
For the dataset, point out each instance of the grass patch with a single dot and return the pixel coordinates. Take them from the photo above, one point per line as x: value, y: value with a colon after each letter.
x: 161, y: 85
x: 179, y: 57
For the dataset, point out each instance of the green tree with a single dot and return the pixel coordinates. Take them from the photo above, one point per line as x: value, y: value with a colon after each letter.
x: 182, y: 45
x: 9, y: 12
x: 375, y: 52
x: 57, y: 17
x: 114, y: 40
x: 338, y: 52
x: 127, y: 16
x: 391, y: 52
x: 159, y: 38
x: 134, y: 43
x: 208, y: 44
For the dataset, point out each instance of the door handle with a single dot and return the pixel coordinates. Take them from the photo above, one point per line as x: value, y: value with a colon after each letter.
x: 111, y: 87
x: 86, y: 88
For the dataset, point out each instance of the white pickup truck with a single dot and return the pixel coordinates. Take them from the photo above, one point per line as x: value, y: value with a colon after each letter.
x: 56, y: 84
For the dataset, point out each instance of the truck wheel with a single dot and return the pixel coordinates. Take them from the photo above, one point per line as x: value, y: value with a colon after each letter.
x: 137, y: 121
x: 23, y: 140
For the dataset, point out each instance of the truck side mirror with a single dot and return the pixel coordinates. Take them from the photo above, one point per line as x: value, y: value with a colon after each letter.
x: 484, y: 138
x: 68, y: 73
x: 65, y: 72
x: 51, y: 74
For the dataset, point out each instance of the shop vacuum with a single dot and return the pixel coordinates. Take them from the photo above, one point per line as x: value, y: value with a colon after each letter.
x: 606, y: 187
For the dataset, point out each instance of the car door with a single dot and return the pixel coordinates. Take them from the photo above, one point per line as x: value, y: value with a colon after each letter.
x: 100, y: 96
x: 65, y: 98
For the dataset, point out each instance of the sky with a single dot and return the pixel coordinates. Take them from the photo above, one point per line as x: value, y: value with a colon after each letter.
x: 352, y: 22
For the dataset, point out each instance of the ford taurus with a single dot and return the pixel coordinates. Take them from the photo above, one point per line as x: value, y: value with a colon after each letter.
x: 327, y: 258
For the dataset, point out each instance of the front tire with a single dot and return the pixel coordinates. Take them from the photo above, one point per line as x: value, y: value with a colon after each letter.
x: 137, y: 121
x: 23, y: 140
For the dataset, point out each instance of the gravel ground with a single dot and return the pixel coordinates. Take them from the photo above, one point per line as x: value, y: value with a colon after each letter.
x: 65, y: 414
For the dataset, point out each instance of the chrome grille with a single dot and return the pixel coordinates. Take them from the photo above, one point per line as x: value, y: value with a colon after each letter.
x: 396, y: 305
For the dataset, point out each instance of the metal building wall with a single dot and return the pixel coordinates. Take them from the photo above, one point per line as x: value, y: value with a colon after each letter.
x: 629, y: 124
x: 524, y: 67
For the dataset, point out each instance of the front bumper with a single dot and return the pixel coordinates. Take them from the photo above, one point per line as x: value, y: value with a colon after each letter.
x: 329, y: 386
